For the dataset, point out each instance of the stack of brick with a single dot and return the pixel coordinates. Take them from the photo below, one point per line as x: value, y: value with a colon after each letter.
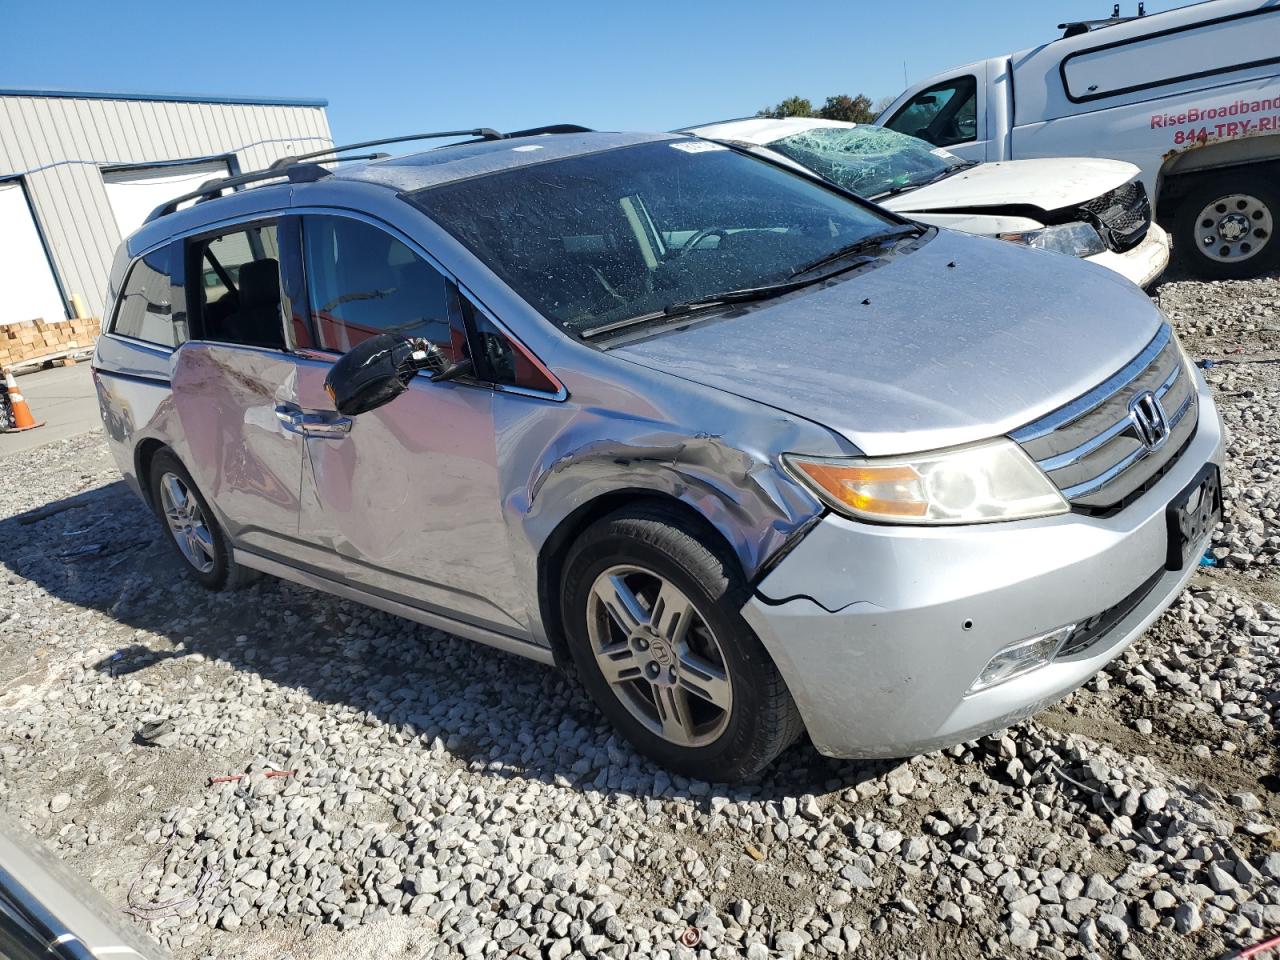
x: 34, y: 340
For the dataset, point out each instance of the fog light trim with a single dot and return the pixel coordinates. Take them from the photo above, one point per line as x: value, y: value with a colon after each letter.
x: 1018, y: 659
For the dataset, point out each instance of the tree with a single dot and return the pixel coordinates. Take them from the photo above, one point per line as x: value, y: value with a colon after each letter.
x: 856, y: 109
x: 849, y: 109
x: 790, y: 107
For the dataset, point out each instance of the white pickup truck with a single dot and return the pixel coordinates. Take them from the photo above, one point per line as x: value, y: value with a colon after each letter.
x: 1191, y: 96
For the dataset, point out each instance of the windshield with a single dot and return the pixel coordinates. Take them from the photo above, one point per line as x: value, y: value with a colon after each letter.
x: 866, y: 160
x: 605, y: 237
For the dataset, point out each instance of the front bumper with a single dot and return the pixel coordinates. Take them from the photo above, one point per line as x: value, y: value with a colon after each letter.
x: 879, y: 631
x: 1144, y: 263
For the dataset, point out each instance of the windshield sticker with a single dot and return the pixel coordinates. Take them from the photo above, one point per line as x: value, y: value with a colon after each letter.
x: 527, y: 148
x: 697, y: 146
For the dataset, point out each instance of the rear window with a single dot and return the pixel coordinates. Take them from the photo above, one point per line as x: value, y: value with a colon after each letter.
x: 153, y: 306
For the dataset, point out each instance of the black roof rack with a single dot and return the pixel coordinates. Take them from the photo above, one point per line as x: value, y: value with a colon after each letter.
x: 548, y: 128
x: 305, y: 167
x: 483, y: 133
x: 1076, y: 27
x: 211, y: 189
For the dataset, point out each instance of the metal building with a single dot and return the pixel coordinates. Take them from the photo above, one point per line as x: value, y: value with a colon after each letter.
x: 78, y: 171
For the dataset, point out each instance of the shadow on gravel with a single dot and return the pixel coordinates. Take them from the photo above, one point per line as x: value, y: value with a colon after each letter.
x: 494, y: 713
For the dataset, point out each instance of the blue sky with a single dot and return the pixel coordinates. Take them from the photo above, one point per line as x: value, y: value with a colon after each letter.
x: 402, y: 67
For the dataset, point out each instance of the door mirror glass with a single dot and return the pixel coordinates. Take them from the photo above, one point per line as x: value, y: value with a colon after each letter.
x: 370, y: 374
x: 377, y: 370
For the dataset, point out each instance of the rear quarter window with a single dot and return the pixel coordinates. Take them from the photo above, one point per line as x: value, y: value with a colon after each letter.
x: 153, y: 304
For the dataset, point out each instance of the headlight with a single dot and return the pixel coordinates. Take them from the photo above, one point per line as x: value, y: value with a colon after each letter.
x: 992, y: 480
x: 1073, y: 239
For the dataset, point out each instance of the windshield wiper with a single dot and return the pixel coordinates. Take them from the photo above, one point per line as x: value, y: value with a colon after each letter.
x: 916, y: 184
x: 864, y: 243
x: 940, y: 175
x: 767, y: 290
x: 681, y: 307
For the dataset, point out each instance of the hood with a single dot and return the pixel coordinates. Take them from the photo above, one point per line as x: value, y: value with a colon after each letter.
x: 1044, y: 184
x: 962, y: 339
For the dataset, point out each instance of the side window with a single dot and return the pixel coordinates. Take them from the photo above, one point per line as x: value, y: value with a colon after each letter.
x: 945, y: 114
x: 153, y: 305
x: 499, y: 360
x: 239, y: 287
x: 362, y: 281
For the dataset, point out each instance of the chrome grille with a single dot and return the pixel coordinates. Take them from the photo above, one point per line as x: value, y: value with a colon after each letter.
x: 1123, y: 215
x: 1092, y: 448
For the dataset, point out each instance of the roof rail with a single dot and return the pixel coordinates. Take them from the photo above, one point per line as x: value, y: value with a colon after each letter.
x: 211, y: 189
x: 1074, y: 28
x: 548, y: 128
x: 305, y: 167
x: 484, y: 133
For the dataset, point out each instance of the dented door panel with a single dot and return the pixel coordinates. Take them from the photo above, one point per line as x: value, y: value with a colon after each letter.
x: 407, y: 502
x: 244, y: 462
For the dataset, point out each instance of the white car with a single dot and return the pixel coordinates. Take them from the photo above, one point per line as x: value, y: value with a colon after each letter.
x: 1084, y: 207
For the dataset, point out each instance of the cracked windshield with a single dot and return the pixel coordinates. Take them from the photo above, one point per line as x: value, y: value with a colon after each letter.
x: 869, y: 161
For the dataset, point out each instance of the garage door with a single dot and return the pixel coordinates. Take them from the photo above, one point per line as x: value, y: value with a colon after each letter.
x: 28, y: 290
x: 135, y: 191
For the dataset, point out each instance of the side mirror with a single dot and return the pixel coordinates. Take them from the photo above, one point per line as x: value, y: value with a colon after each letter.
x: 377, y: 370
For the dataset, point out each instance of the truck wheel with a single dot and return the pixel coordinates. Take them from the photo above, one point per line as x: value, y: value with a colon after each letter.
x: 193, y: 531
x: 1224, y: 227
x: 652, y: 619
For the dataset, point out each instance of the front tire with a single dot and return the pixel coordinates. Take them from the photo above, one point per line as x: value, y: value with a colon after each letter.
x: 1224, y: 226
x: 192, y: 529
x: 652, y: 616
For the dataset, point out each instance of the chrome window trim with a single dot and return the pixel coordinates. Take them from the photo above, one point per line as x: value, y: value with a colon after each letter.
x: 157, y: 348
x: 1098, y: 395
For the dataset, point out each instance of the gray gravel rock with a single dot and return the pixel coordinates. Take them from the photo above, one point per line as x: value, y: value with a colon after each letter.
x: 476, y: 805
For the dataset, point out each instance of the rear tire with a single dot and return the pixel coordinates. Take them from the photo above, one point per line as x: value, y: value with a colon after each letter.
x: 191, y: 528
x: 690, y: 685
x: 1224, y: 226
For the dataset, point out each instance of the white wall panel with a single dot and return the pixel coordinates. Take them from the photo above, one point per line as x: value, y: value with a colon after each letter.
x: 135, y: 192
x: 28, y: 290
x: 59, y: 143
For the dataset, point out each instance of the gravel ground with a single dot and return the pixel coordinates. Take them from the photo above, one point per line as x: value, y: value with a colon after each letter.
x: 448, y: 800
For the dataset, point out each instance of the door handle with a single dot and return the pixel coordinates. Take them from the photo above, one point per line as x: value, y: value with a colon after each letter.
x: 312, y: 424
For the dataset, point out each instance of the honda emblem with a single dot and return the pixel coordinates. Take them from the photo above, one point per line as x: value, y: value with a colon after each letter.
x: 1149, y: 420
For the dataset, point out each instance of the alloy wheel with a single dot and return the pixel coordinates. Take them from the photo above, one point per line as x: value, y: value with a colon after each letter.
x: 660, y: 657
x: 1233, y: 228
x: 187, y: 523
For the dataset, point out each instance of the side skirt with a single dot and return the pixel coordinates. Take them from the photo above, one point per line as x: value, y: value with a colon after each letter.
x: 521, y: 648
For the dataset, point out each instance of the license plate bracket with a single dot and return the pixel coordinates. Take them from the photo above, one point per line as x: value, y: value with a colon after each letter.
x: 1192, y: 515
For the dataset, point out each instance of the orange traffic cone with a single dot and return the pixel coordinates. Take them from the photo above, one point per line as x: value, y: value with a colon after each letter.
x: 20, y: 417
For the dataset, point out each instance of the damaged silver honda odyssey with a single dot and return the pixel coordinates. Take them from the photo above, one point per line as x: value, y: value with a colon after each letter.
x: 749, y: 455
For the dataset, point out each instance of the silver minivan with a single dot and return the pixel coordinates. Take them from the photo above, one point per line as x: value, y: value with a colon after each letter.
x: 748, y: 455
